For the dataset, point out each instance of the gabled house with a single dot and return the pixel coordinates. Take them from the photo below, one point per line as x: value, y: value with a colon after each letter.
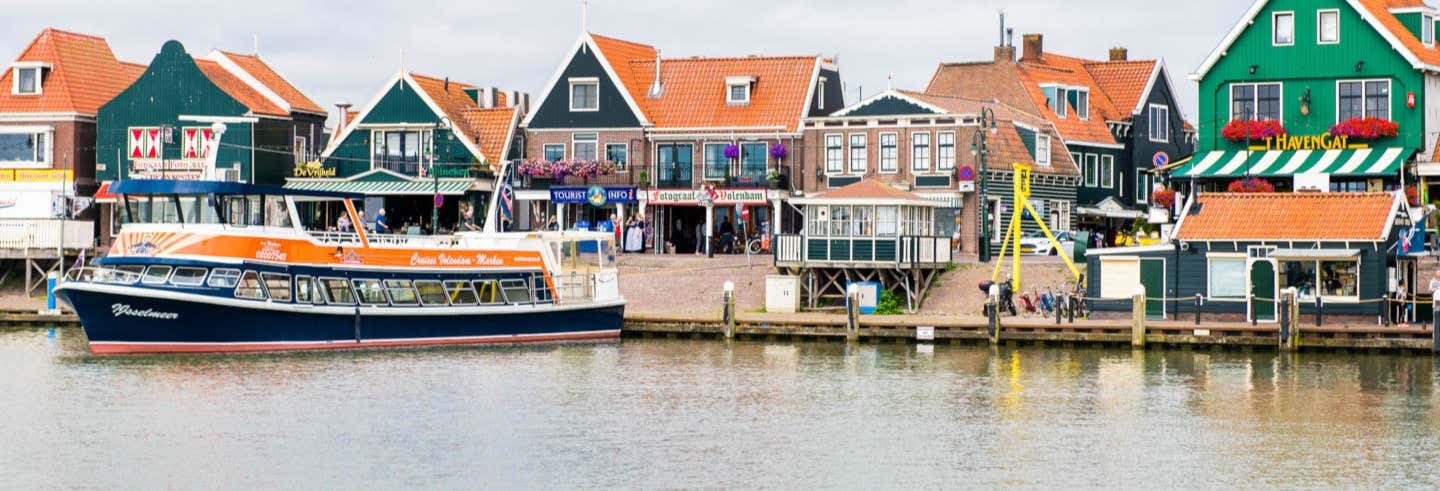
x: 1119, y: 118
x: 417, y: 137
x: 49, y: 98
x: 673, y: 126
x: 162, y: 124
x: 921, y: 143
x: 1304, y: 74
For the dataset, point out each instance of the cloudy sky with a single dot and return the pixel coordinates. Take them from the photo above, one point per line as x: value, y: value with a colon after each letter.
x: 343, y: 50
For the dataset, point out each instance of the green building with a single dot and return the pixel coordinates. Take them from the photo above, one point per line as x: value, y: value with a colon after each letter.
x: 1327, y: 95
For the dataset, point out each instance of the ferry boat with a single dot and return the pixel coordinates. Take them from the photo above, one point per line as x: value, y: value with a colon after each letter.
x: 207, y: 266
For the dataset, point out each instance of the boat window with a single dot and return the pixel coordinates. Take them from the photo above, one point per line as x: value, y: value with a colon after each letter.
x: 199, y: 209
x: 337, y: 291
x: 516, y: 291
x: 304, y: 289
x: 400, y: 292
x: 489, y: 291
x: 188, y: 276
x: 224, y: 277
x: 277, y: 214
x: 249, y: 286
x: 125, y: 274
x: 431, y: 293
x: 460, y: 293
x: 156, y: 275
x: 278, y: 285
x: 370, y: 292
x: 542, y: 289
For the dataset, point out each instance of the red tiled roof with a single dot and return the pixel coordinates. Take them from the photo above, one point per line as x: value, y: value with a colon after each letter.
x: 491, y: 126
x: 1006, y: 147
x: 238, y: 89
x: 694, y: 94
x: 83, y: 75
x: 279, y: 85
x: 869, y: 189
x: 1053, y: 68
x: 1288, y: 216
x: 1381, y: 10
x: 1123, y: 81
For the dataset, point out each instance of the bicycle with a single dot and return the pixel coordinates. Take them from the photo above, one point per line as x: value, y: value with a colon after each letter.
x: 758, y: 245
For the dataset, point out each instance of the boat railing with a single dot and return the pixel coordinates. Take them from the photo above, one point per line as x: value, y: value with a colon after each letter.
x: 587, y: 286
x: 92, y: 274
x: 388, y: 240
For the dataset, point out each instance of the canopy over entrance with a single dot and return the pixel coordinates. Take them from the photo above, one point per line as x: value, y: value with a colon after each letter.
x: 1286, y: 163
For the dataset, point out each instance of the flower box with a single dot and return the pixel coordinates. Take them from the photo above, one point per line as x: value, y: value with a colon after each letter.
x: 1237, y: 130
x: 1366, y: 128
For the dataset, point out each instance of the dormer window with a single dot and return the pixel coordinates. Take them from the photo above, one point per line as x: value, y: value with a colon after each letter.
x: 737, y: 90
x: 1427, y: 30
x: 1042, y: 149
x: 29, y: 77
x: 584, y: 94
x: 1080, y: 98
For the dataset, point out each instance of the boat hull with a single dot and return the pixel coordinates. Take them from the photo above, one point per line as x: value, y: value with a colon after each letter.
x: 125, y: 319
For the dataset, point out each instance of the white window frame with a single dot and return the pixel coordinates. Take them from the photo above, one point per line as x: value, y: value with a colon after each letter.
x: 838, y: 162
x: 1142, y: 188
x: 940, y: 162
x: 1275, y: 27
x: 864, y: 160
x: 705, y: 163
x: 1320, y: 26
x: 1079, y: 160
x: 1427, y: 29
x: 1227, y: 256
x: 1107, y: 171
x: 1060, y: 215
x: 39, y: 78
x: 1045, y: 161
x: 46, y: 156
x: 894, y: 159
x: 820, y: 92
x: 548, y: 146
x: 576, y: 140
x: 917, y: 156
x: 1164, y: 122
x: 1255, y: 100
x: 1092, y: 170
x: 1364, y: 86
x: 730, y: 94
x: 584, y: 81
x: 1082, y: 110
x: 619, y: 165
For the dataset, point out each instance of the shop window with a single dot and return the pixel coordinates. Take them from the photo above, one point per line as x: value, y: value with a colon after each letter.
x: 920, y: 152
x: 1227, y: 277
x: 249, y: 286
x: 400, y: 292
x: 337, y: 291
x: 431, y: 292
x: 1329, y: 279
x: 277, y: 285
x: 1301, y: 276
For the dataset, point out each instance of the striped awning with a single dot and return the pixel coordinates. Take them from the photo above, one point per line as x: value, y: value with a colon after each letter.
x: 382, y: 188
x: 946, y: 200
x: 1285, y: 163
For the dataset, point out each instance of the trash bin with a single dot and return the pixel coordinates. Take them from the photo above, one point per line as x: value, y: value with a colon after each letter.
x: 1082, y: 242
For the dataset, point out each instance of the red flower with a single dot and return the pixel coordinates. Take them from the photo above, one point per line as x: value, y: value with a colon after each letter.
x: 1251, y: 185
x: 1236, y: 130
x: 1164, y: 198
x: 1366, y: 128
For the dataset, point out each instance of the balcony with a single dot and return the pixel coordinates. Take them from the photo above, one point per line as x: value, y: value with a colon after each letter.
x: 903, y: 252
x: 46, y: 234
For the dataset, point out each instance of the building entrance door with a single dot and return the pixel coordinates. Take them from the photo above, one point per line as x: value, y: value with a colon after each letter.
x: 1262, y: 290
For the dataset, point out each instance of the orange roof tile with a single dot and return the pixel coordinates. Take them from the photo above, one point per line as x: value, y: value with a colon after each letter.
x: 238, y: 89
x: 1288, y: 216
x: 1053, y: 68
x: 694, y: 88
x: 1006, y: 147
x: 1381, y: 10
x: 279, y: 85
x: 869, y: 189
x: 83, y: 75
x: 1123, y: 81
x: 491, y: 127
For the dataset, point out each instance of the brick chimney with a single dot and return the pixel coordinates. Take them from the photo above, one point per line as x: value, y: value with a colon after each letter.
x: 1034, y: 47
x: 1119, y: 53
x: 1004, y: 53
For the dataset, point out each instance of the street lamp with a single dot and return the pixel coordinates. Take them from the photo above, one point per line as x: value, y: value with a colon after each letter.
x: 979, y: 147
x: 441, y: 126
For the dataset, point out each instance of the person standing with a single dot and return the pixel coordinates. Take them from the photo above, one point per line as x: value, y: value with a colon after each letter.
x: 382, y: 224
x: 727, y: 235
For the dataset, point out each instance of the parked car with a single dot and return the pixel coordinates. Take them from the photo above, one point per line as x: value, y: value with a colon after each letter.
x: 1036, y: 243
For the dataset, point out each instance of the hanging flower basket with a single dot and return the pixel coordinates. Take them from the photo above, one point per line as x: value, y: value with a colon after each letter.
x: 1251, y: 185
x: 779, y: 152
x: 1412, y: 196
x: 1163, y: 198
x: 1366, y: 128
x: 732, y: 151
x: 1236, y: 130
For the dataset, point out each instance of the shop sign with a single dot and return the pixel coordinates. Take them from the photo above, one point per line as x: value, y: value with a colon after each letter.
x: 1323, y: 141
x: 313, y: 169
x: 167, y: 169
x: 692, y: 196
x: 35, y: 175
x: 594, y: 195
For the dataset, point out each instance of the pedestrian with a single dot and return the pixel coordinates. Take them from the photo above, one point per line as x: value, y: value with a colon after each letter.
x: 382, y: 225
x: 727, y: 235
x: 700, y: 238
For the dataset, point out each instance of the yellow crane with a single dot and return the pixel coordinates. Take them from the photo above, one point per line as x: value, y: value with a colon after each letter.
x: 1012, y: 235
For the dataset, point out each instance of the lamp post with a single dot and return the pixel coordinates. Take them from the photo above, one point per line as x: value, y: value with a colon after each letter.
x: 441, y: 126
x: 979, y: 147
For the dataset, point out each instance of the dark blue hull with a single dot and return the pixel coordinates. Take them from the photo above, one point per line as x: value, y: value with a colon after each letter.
x: 134, y: 320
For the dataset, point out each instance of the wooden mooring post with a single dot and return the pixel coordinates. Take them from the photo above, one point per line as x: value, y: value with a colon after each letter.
x: 1137, y: 318
x: 852, y: 313
x: 992, y: 311
x: 727, y: 311
x: 1289, y: 320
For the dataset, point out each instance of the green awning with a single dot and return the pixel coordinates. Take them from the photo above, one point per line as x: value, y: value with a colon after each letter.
x: 1286, y: 163
x: 383, y: 188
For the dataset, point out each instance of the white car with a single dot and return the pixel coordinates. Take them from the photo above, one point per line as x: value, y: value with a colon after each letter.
x: 1036, y: 243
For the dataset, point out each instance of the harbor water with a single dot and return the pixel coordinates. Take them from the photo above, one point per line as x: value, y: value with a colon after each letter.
x: 667, y: 413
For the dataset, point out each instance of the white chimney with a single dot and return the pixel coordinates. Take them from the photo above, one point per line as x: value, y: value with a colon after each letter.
x: 656, y: 88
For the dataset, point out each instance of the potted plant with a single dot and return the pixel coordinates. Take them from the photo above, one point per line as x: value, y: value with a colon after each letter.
x: 772, y: 177
x: 1366, y: 128
x: 1240, y: 130
x: 1161, y: 202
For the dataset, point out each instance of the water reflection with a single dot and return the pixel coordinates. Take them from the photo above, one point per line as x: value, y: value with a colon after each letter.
x: 706, y: 413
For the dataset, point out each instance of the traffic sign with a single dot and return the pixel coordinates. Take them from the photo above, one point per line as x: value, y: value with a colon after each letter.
x: 1160, y: 159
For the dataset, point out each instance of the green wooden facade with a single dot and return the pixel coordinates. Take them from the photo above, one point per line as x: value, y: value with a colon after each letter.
x: 1309, y: 69
x: 173, y: 86
x: 400, y: 106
